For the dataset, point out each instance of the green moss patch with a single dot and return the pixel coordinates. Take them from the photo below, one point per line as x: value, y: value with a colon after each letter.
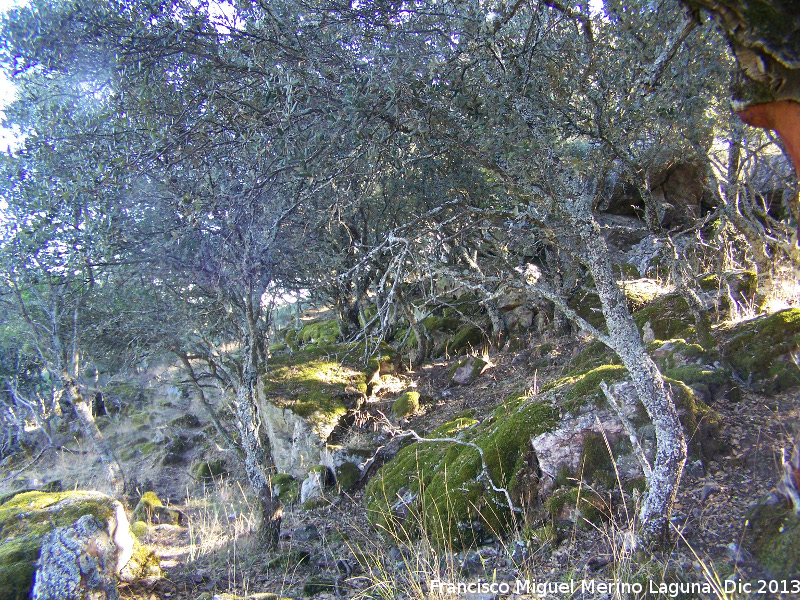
x: 144, y: 562
x: 347, y: 476
x: 286, y: 487
x: 594, y: 355
x: 209, y: 470
x: 701, y: 424
x: 123, y: 393
x: 638, y: 293
x: 576, y: 390
x: 774, y: 537
x: 437, y: 323
x: 312, y: 387
x: 406, y: 404
x: 25, y: 518
x: 579, y: 503
x: 671, y: 354
x: 760, y: 349
x: 669, y: 316
x: 146, y: 506
x: 319, y: 332
x: 452, y: 504
x: 709, y: 384
x: 466, y: 339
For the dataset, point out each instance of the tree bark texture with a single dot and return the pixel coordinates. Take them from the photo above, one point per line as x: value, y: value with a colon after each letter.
x: 256, y: 457
x: 662, y: 485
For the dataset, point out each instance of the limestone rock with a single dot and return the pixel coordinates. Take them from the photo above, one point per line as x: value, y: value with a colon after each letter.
x: 561, y: 448
x: 296, y: 444
x: 318, y: 479
x: 468, y: 369
x: 77, y: 562
x: 90, y: 526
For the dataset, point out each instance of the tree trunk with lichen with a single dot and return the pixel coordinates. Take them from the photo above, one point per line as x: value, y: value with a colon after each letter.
x: 662, y: 485
x: 256, y: 455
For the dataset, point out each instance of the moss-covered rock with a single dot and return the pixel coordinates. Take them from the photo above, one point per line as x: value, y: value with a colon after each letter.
x: 312, y: 387
x: 671, y: 354
x: 773, y: 534
x: 447, y: 496
x: 407, y: 404
x: 286, y: 488
x: 638, y: 293
x: 709, y: 383
x: 760, y: 350
x: 26, y: 517
x: 667, y: 316
x: 701, y: 424
x: 578, y: 504
x: 579, y: 389
x: 347, y: 476
x: 151, y: 510
x: 139, y: 529
x: 123, y: 394
x: 592, y: 356
x: 279, y: 347
x: 320, y: 332
x: 143, y: 563
x: 187, y: 421
x: 209, y: 470
x: 466, y: 339
x: 467, y: 370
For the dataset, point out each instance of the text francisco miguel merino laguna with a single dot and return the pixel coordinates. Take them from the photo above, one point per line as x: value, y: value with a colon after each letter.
x: 542, y: 589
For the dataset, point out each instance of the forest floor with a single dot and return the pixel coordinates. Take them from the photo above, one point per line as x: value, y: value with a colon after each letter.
x: 334, y: 548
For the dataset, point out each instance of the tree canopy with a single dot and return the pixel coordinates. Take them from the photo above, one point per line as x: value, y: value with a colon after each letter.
x: 203, y: 160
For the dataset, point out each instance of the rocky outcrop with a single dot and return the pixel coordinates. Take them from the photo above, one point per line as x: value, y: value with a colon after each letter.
x: 84, y: 538
x: 443, y: 485
x: 467, y: 370
x: 560, y: 450
x: 304, y: 398
x: 77, y: 562
x: 765, y: 350
x: 150, y: 510
x: 296, y: 444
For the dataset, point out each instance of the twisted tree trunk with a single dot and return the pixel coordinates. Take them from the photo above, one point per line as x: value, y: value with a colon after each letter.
x: 662, y: 485
x: 256, y: 455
